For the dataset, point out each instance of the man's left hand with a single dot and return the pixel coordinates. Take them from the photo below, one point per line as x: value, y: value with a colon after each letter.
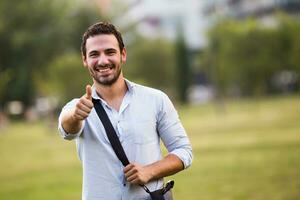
x: 137, y: 174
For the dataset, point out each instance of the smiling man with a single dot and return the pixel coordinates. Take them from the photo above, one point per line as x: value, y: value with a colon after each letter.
x: 141, y: 117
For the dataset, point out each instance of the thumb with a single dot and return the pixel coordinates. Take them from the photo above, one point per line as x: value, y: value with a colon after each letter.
x: 88, y: 89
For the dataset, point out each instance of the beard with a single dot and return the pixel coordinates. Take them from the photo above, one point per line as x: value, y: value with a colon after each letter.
x: 106, y: 80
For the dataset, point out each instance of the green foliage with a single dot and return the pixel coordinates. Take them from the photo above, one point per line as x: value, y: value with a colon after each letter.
x: 182, y: 67
x: 40, y: 51
x: 245, y: 55
x: 25, y: 36
x: 292, y: 27
x: 151, y: 62
x: 32, y: 35
x: 66, y: 78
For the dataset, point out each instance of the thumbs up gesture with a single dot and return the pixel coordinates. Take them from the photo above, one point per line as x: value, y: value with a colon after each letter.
x: 88, y: 93
x: 84, y: 105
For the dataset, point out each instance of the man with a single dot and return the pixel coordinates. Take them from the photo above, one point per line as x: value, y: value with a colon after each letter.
x: 141, y: 116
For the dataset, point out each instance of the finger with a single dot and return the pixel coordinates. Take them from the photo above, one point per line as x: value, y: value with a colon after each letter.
x: 130, y: 173
x: 84, y: 108
x: 81, y: 113
x: 137, y: 180
x: 78, y: 117
x: 88, y: 89
x: 132, y: 178
x: 87, y: 102
x: 128, y: 167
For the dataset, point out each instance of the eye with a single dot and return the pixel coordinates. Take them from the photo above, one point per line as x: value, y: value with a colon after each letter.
x: 110, y: 52
x: 93, y: 55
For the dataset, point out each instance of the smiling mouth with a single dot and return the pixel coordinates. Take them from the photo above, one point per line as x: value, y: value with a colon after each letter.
x: 103, y: 69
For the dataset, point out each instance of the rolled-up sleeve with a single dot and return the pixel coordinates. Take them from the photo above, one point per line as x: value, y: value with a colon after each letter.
x: 61, y: 130
x: 172, y: 132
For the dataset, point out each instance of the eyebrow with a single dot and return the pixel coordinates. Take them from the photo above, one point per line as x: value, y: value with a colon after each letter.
x: 110, y: 50
x: 93, y: 52
x: 106, y: 50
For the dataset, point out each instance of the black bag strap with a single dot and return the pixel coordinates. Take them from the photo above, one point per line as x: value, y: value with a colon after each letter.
x: 118, y: 149
x: 110, y: 132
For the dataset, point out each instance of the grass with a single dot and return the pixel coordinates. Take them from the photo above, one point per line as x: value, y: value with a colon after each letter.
x: 37, y: 164
x: 247, y: 149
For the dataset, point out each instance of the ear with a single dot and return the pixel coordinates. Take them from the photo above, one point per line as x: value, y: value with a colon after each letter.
x: 123, y: 55
x: 84, y: 60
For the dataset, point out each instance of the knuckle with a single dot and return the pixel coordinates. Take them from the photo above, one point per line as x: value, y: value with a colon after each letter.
x: 78, y: 105
x: 76, y: 112
x: 81, y: 100
x: 91, y: 105
x: 78, y: 116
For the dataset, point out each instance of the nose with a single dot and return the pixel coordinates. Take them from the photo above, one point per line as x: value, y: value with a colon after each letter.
x: 103, y: 60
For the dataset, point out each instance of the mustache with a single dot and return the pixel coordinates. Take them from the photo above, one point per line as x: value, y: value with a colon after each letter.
x: 105, y: 66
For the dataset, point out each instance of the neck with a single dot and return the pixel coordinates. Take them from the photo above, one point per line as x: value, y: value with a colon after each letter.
x: 112, y: 92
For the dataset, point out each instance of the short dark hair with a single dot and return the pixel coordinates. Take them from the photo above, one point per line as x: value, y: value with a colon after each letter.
x: 101, y: 28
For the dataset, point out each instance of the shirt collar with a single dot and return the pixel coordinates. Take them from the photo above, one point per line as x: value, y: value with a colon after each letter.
x: 130, y: 86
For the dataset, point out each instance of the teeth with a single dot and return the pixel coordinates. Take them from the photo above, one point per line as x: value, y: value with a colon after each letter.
x: 104, y: 70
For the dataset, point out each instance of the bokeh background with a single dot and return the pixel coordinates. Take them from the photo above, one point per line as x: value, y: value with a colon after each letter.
x: 231, y: 67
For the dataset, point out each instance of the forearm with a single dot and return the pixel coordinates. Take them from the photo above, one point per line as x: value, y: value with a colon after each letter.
x: 69, y: 123
x: 168, y: 166
x: 138, y: 174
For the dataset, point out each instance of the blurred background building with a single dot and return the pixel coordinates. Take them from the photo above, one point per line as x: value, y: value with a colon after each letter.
x: 154, y: 18
x: 242, y: 9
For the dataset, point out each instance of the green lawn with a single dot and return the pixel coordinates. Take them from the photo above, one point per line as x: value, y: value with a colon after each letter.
x: 247, y: 149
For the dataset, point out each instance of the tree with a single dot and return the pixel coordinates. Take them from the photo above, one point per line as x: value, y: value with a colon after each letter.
x: 66, y: 78
x: 26, y: 41
x: 245, y: 55
x: 32, y: 34
x: 151, y: 62
x: 183, y: 67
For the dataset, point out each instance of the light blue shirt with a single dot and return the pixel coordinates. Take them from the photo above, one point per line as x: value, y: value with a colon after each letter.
x: 146, y: 115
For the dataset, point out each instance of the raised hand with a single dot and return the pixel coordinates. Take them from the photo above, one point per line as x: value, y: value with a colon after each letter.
x: 84, y: 105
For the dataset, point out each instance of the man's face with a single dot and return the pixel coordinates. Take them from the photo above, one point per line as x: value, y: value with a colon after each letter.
x: 104, y: 59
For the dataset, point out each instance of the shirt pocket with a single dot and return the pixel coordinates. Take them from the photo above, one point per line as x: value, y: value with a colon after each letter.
x: 145, y: 132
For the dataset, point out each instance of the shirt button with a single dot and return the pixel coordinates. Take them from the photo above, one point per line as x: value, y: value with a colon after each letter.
x: 124, y: 184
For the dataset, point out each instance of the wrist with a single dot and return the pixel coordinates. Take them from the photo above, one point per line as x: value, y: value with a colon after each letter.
x: 70, y: 123
x: 150, y: 173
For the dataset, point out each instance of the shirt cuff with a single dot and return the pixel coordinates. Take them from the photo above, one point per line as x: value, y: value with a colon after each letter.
x: 185, y: 155
x: 70, y: 136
